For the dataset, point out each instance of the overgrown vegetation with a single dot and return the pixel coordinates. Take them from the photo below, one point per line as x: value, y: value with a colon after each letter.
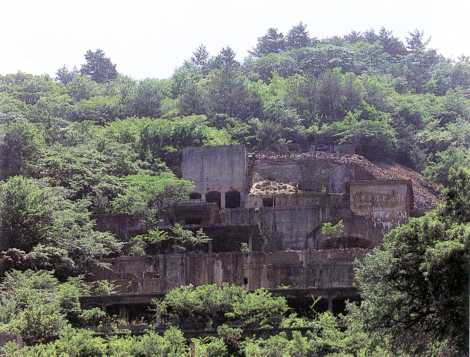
x: 48, y: 317
x: 94, y: 141
x: 334, y: 230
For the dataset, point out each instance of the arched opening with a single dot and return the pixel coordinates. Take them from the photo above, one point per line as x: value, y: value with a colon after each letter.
x: 213, y: 196
x: 232, y: 199
x: 195, y: 196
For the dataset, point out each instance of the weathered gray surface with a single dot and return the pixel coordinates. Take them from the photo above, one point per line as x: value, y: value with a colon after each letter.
x: 387, y: 203
x: 300, y: 269
x: 281, y: 224
x: 310, y: 173
x: 216, y: 168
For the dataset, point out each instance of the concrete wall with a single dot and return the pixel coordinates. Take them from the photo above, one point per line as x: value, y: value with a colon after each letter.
x: 216, y: 168
x: 191, y: 212
x: 315, y: 269
x: 294, y: 221
x: 282, y: 228
x: 387, y: 203
x: 309, y: 173
x: 10, y: 337
x: 300, y: 199
x: 292, y: 228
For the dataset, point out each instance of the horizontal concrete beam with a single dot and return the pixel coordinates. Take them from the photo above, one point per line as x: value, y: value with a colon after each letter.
x: 145, y: 299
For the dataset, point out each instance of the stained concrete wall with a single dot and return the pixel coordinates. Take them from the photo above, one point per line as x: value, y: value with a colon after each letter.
x: 314, y: 269
x: 386, y: 203
x: 300, y: 199
x: 292, y: 228
x: 309, y: 173
x: 282, y: 228
x: 216, y: 168
x: 294, y: 221
x: 300, y: 228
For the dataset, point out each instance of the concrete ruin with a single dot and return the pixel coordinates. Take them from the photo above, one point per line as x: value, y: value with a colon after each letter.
x: 273, y: 206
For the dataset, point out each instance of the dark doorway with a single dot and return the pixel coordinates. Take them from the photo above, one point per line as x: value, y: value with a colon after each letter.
x: 213, y: 196
x: 268, y: 202
x: 193, y: 221
x: 232, y: 199
x: 195, y: 196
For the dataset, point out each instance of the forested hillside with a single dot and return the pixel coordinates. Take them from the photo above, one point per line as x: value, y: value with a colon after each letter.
x: 92, y: 140
x: 397, y: 100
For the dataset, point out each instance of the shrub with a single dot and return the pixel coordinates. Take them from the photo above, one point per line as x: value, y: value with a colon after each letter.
x: 333, y: 230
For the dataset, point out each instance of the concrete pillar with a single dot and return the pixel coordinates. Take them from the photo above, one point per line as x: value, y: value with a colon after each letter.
x: 330, y: 303
x: 222, y: 199
x: 123, y: 312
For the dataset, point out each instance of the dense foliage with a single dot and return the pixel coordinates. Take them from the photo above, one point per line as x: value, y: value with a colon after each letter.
x: 94, y: 141
x: 48, y: 317
x: 394, y: 99
x: 415, y: 286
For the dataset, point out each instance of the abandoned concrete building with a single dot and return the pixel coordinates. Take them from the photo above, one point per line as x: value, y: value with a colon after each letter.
x: 274, y: 206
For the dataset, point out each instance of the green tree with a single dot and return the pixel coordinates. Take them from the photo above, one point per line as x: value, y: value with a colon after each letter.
x: 419, y: 62
x: 227, y: 93
x: 148, y: 97
x: 210, y: 306
x: 414, y: 286
x: 298, y: 37
x: 210, y: 347
x: 100, y: 109
x: 200, y: 58
x: 98, y: 67
x: 335, y: 230
x: 145, y: 195
x: 81, y: 88
x: 25, y: 212
x: 37, y: 306
x: 392, y: 45
x: 87, y: 171
x: 34, y: 217
x: 64, y: 75
x: 273, y: 41
x: 21, y: 144
x: 444, y: 161
x: 160, y: 137
x: 374, y: 137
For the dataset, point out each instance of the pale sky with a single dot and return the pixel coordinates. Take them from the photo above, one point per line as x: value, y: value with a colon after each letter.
x: 148, y: 38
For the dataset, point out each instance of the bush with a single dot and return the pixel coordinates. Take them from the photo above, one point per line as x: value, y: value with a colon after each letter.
x: 209, y: 306
x: 209, y: 347
x: 145, y: 193
x: 333, y: 230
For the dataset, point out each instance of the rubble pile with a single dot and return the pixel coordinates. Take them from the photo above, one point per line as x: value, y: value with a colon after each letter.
x: 425, y: 194
x: 267, y: 187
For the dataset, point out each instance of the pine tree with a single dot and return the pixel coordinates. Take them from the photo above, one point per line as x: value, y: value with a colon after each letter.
x: 98, y: 67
